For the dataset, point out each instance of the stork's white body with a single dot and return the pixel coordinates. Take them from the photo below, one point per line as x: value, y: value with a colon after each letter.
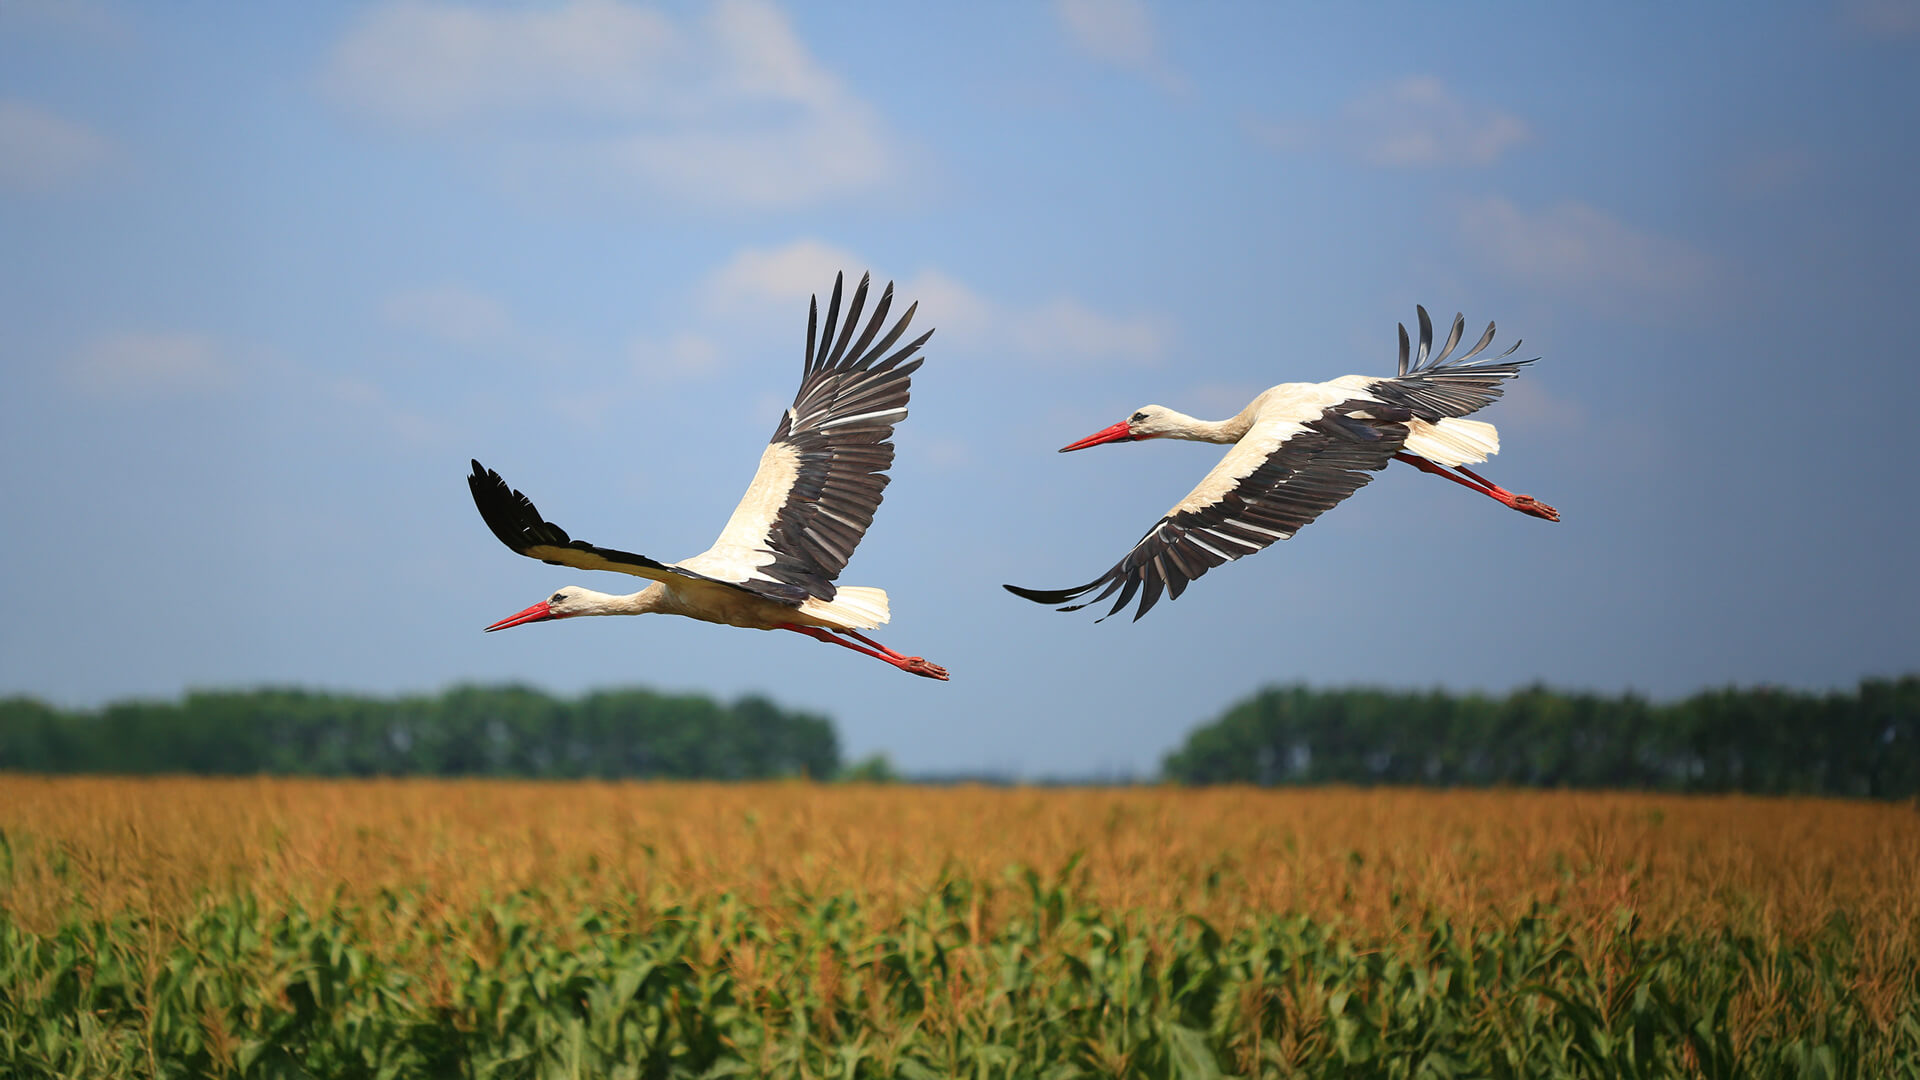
x: 854, y: 607
x: 1281, y: 412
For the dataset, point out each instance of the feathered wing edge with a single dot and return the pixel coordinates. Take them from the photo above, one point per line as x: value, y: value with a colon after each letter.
x: 1435, y: 388
x: 852, y: 393
x: 517, y: 523
x: 859, y: 357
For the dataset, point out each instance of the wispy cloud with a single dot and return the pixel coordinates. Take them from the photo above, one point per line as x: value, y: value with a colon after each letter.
x: 452, y: 314
x: 799, y: 269
x: 1575, y: 248
x: 685, y: 355
x: 148, y: 363
x: 369, y: 403
x: 1067, y: 330
x: 1119, y: 32
x: 1417, y: 122
x: 1062, y: 330
x: 40, y: 150
x: 729, y: 108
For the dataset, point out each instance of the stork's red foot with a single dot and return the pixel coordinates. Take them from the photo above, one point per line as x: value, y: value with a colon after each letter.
x: 1527, y: 504
x: 920, y: 665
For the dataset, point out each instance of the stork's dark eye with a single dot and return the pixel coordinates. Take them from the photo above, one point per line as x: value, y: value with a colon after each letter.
x: 557, y: 597
x: 1137, y: 417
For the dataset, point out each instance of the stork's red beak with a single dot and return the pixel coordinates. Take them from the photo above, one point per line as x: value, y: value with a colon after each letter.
x: 1104, y: 435
x: 535, y: 613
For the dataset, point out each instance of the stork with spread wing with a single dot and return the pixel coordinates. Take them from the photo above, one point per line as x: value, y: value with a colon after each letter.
x: 1298, y: 450
x: 819, y: 483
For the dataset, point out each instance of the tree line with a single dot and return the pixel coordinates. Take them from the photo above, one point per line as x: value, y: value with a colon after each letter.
x: 1865, y: 742
x: 466, y: 731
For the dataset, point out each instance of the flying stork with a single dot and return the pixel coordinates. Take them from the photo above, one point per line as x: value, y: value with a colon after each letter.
x: 1299, y: 449
x: 819, y: 482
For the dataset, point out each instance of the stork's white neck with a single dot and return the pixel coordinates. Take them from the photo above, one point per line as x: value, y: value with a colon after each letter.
x: 1181, y: 426
x: 650, y: 599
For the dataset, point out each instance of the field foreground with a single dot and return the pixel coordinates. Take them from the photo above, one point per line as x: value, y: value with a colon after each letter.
x: 400, y: 928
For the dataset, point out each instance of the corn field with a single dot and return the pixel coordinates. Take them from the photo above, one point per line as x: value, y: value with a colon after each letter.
x: 177, y: 927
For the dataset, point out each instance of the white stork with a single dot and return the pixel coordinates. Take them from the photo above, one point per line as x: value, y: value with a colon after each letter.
x: 1298, y: 449
x: 819, y: 482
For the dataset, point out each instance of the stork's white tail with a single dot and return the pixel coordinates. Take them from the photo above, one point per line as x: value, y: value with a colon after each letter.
x: 853, y: 607
x: 1452, y: 441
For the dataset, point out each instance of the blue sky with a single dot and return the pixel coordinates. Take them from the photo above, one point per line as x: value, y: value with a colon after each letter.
x: 270, y: 275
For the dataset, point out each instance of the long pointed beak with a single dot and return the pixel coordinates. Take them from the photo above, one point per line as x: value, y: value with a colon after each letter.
x: 535, y: 613
x: 1115, y: 433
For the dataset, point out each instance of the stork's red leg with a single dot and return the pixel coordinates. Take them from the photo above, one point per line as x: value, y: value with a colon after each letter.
x: 857, y: 636
x: 913, y: 665
x: 919, y: 665
x: 1526, y: 504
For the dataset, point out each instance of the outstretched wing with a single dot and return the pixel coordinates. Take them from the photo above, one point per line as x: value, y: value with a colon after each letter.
x: 822, y: 475
x: 1282, y: 475
x: 1435, y: 389
x: 517, y: 522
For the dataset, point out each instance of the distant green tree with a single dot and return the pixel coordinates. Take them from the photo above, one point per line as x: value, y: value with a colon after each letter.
x: 875, y: 768
x: 466, y: 731
x: 34, y: 737
x: 1763, y: 740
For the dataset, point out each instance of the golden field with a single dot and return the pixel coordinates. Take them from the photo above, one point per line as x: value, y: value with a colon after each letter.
x: 1369, y: 867
x: 1368, y: 857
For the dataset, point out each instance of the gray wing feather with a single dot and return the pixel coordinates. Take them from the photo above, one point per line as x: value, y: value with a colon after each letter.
x: 1435, y: 389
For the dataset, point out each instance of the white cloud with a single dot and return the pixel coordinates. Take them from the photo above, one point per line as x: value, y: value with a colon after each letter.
x: 683, y: 356
x: 1418, y: 121
x: 1293, y: 135
x: 1119, y: 32
x: 799, y: 269
x: 729, y: 108
x: 965, y: 317
x: 947, y: 453
x: 1062, y: 330
x: 1413, y: 123
x: 370, y: 403
x: 140, y: 363
x: 1069, y: 330
x: 428, y: 64
x: 1574, y: 247
x: 40, y: 150
x: 760, y: 285
x: 452, y: 314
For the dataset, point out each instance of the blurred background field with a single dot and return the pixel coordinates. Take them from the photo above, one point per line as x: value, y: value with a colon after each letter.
x: 246, y: 926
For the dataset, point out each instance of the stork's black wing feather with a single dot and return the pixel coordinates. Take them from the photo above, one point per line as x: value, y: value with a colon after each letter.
x: 838, y: 432
x: 1436, y: 388
x: 517, y: 522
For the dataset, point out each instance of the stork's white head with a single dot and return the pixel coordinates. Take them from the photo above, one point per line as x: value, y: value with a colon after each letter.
x: 1147, y: 422
x: 563, y: 604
